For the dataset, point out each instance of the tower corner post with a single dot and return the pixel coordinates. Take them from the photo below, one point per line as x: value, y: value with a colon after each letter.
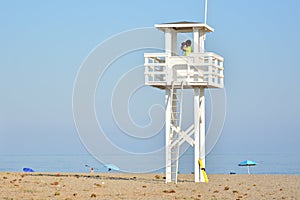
x: 168, y: 134
x: 196, y: 133
x: 202, y: 130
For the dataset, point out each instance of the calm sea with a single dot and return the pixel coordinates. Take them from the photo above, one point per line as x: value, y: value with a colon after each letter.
x: 215, y: 163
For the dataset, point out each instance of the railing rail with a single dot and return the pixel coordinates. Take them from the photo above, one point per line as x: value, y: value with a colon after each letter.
x: 162, y: 69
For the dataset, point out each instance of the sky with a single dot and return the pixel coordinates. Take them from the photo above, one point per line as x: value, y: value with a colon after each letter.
x: 43, y: 45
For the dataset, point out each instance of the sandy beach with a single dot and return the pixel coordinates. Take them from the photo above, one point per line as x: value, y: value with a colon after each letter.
x: 145, y: 186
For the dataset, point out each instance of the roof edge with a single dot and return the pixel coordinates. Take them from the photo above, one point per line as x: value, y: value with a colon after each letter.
x: 184, y: 25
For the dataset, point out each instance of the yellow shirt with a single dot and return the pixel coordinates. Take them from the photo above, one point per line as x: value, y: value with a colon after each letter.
x: 188, y: 50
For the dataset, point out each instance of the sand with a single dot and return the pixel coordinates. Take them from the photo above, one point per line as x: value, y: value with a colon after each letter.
x: 145, y: 186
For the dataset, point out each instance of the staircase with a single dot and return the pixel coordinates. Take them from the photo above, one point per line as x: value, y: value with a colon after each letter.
x: 177, y: 96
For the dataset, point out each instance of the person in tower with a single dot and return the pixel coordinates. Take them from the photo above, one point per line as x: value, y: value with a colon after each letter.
x: 186, y: 47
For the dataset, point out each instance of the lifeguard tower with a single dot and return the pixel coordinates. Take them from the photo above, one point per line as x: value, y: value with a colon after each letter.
x: 175, y: 73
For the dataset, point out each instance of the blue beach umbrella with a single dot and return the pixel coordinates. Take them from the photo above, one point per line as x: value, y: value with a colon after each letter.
x: 248, y: 163
x: 26, y: 169
x: 110, y: 167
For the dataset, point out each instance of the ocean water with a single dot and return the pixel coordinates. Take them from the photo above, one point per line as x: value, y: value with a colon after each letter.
x: 266, y: 163
x: 215, y: 163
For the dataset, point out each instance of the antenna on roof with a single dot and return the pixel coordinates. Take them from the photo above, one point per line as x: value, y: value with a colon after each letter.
x: 205, y: 12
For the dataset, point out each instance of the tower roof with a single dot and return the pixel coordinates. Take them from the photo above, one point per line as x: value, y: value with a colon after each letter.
x: 184, y: 26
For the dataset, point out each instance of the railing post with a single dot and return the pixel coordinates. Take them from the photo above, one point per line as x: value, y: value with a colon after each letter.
x: 221, y: 74
x: 146, y: 70
x: 209, y: 78
x: 188, y: 70
x: 169, y: 72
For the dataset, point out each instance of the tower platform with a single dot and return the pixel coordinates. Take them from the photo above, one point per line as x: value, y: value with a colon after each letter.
x: 198, y: 69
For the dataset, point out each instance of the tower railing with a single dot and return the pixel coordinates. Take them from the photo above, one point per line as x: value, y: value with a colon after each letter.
x: 197, y: 69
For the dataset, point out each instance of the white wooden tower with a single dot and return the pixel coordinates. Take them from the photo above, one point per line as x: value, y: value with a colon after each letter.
x: 175, y: 73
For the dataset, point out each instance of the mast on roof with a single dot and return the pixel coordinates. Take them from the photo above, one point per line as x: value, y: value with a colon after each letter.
x: 205, y: 12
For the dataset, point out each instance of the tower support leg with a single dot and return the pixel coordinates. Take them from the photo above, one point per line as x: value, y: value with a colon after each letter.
x: 168, y: 134
x: 202, y: 131
x: 196, y: 133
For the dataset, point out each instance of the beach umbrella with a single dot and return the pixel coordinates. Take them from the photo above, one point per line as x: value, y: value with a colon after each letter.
x: 26, y: 169
x: 247, y: 163
x: 110, y: 167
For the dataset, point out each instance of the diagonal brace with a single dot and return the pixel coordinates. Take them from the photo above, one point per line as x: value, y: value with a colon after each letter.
x: 183, y: 135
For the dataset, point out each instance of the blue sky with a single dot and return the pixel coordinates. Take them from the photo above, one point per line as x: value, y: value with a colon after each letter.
x: 44, y: 43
